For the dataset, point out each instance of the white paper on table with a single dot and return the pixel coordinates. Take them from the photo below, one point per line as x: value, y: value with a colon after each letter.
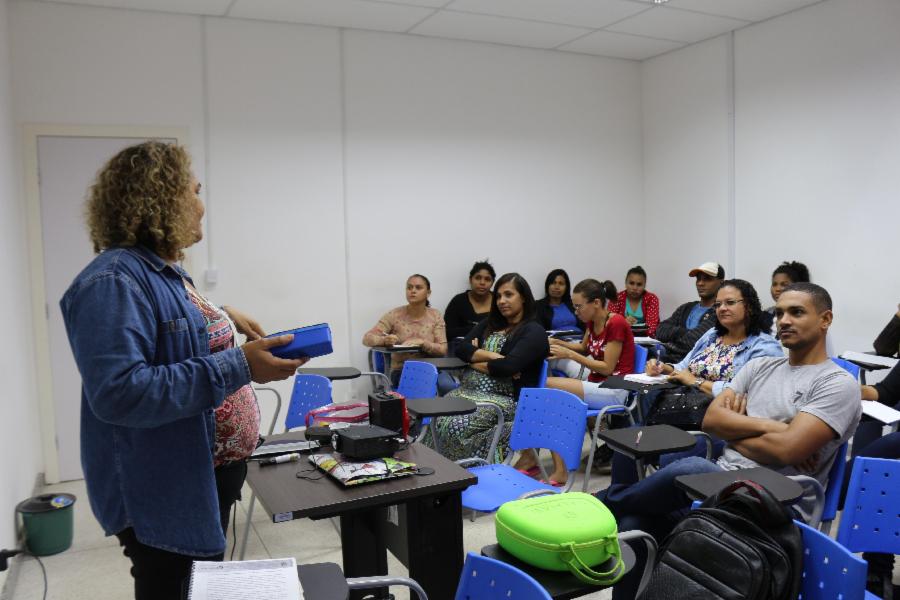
x: 274, y: 579
x: 871, y: 359
x: 647, y: 379
x: 881, y: 412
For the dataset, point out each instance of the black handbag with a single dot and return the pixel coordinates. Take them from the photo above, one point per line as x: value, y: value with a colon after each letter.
x: 683, y: 407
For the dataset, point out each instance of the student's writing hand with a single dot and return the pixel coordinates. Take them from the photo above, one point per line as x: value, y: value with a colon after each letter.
x: 390, y: 339
x: 266, y: 367
x: 245, y: 324
x: 631, y: 320
x: 560, y: 352
x: 414, y: 342
x: 555, y: 341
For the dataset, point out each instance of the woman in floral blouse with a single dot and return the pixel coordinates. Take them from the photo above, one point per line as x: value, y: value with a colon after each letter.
x: 738, y: 336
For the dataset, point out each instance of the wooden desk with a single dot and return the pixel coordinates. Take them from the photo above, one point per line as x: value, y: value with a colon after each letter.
x: 704, y: 485
x: 654, y: 440
x: 332, y: 373
x: 418, y: 518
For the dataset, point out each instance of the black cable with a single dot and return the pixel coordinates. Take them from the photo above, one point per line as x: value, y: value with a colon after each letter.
x: 234, y: 530
x: 43, y: 572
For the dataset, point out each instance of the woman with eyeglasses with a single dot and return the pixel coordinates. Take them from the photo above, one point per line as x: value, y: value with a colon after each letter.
x: 739, y: 335
x: 606, y: 349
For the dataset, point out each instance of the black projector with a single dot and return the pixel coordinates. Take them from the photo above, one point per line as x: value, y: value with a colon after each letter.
x: 364, y: 442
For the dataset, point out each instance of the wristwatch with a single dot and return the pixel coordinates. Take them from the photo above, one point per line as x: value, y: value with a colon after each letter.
x: 698, y: 382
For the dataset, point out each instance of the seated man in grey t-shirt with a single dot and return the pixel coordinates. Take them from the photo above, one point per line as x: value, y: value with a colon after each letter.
x: 789, y: 414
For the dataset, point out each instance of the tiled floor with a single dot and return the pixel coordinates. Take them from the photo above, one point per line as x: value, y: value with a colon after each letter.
x: 95, y: 569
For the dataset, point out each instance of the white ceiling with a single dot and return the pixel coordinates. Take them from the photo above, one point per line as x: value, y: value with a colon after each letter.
x: 633, y: 29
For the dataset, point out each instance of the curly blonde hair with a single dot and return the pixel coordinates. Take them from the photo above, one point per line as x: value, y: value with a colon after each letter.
x: 142, y: 196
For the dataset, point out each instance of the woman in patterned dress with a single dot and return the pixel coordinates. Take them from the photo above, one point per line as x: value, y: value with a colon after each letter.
x: 740, y: 334
x: 506, y: 352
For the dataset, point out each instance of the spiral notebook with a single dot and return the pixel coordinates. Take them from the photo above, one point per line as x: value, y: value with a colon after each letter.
x: 274, y: 579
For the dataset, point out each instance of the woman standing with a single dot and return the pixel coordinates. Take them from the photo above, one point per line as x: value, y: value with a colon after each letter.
x: 468, y: 308
x: 416, y: 324
x: 639, y: 307
x: 150, y: 382
x: 506, y: 352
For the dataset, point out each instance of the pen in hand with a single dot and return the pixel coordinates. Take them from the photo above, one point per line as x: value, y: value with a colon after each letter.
x: 637, y: 442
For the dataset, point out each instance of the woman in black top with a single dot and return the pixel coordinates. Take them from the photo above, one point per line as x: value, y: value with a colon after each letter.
x: 506, y: 352
x: 467, y: 308
x: 888, y: 341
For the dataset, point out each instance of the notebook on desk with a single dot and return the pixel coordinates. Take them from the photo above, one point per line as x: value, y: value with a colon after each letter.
x: 274, y: 579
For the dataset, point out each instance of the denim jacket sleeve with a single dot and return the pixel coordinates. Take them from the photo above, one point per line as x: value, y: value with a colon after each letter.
x: 114, y: 333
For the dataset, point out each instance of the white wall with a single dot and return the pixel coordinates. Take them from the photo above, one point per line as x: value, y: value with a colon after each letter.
x: 686, y: 146
x: 19, y: 432
x: 460, y: 151
x: 315, y: 146
x: 816, y: 143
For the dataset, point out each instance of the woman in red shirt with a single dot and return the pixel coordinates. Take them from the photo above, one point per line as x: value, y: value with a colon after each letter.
x: 606, y: 349
x: 639, y: 307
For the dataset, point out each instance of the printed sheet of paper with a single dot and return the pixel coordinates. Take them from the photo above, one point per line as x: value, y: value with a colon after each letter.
x: 647, y: 379
x: 274, y: 579
x: 880, y: 411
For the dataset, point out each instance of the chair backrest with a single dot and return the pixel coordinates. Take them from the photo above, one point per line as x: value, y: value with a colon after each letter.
x: 310, y: 392
x: 486, y: 578
x: 870, y: 520
x: 542, y: 378
x: 553, y: 419
x: 418, y: 380
x: 829, y: 570
x: 848, y: 366
x: 376, y: 361
x: 640, y: 359
x: 835, y: 481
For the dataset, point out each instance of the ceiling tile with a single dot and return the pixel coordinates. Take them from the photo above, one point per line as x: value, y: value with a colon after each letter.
x: 676, y: 25
x: 359, y: 14
x: 620, y: 45
x: 191, y: 7
x: 482, y: 28
x: 750, y: 10
x: 579, y: 13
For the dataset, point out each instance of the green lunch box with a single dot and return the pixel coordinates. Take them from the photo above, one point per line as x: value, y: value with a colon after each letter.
x: 562, y: 532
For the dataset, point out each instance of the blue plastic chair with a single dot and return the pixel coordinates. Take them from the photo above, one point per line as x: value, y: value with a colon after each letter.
x: 830, y: 571
x: 309, y: 392
x: 833, y: 490
x: 485, y: 578
x: 545, y: 418
x: 542, y: 378
x: 848, y: 366
x: 869, y: 522
x: 640, y: 363
x: 418, y: 380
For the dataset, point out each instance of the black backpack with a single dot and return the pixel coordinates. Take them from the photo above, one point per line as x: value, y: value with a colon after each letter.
x: 736, y: 546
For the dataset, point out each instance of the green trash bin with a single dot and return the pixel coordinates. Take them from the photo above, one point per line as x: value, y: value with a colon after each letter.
x: 47, y: 520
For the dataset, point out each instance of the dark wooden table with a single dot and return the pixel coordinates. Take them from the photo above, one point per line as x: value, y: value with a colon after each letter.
x: 654, y: 440
x: 445, y: 363
x: 332, y: 373
x: 561, y: 585
x: 440, y: 406
x: 704, y: 485
x: 419, y: 518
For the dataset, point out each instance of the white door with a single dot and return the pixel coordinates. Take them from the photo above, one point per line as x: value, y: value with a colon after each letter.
x: 67, y: 167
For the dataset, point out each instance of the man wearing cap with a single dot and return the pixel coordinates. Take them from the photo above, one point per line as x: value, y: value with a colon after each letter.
x: 691, y: 320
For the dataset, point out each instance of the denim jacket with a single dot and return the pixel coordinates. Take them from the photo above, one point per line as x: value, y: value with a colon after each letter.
x: 149, y: 388
x: 752, y: 347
